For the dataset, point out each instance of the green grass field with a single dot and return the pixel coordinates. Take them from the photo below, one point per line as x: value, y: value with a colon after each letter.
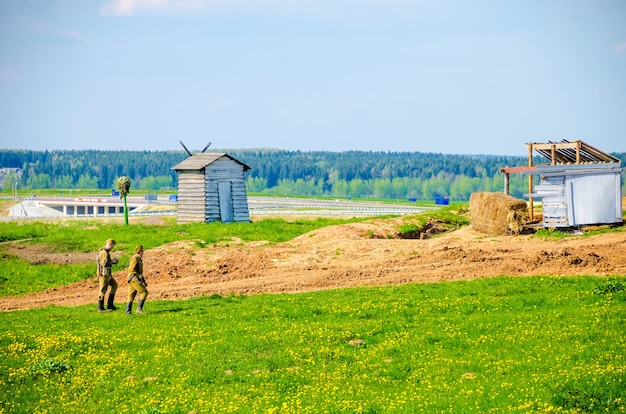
x: 505, y: 345
x: 500, y: 345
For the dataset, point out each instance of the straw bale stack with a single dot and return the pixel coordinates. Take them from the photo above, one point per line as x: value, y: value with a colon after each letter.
x: 497, y: 213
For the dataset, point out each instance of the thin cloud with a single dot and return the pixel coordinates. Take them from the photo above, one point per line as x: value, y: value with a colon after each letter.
x: 28, y: 28
x: 282, y: 7
x: 139, y: 7
x: 135, y: 7
x: 621, y: 48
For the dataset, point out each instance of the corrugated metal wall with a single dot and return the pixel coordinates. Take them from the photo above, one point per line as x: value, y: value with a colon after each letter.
x: 594, y: 199
x: 580, y: 195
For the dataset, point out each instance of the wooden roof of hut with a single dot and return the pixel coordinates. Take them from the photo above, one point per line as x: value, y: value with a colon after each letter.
x: 199, y: 161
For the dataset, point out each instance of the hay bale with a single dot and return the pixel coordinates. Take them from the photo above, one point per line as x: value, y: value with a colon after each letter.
x: 497, y: 213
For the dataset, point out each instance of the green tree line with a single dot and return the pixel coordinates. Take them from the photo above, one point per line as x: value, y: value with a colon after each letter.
x: 349, y: 174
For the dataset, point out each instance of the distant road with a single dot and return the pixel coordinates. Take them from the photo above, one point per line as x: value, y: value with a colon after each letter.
x: 41, y: 207
x: 288, y: 205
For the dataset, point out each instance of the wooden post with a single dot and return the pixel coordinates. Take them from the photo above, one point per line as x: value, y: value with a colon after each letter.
x: 530, y: 182
x: 506, y: 183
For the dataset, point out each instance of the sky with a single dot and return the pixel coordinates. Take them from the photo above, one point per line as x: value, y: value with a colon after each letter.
x: 445, y: 76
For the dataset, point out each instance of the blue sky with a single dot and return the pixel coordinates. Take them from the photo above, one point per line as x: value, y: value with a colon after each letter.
x: 453, y: 77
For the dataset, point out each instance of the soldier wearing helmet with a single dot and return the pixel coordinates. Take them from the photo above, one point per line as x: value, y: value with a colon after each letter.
x: 105, y: 276
x: 137, y: 283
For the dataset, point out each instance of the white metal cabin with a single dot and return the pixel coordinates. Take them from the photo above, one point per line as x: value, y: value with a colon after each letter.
x: 211, y: 187
x: 581, y: 185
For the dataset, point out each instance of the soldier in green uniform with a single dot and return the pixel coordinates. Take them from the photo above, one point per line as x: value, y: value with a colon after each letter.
x: 105, y: 277
x: 136, y: 281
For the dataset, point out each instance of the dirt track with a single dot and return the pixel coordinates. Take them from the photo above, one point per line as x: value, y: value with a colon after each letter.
x: 341, y: 256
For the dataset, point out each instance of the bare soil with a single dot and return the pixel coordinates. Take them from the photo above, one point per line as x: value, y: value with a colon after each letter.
x: 356, y: 254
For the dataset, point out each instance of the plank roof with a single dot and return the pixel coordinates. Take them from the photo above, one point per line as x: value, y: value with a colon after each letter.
x: 197, y: 162
x: 567, y: 152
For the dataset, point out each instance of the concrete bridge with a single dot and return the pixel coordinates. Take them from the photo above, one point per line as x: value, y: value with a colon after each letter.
x: 75, y: 207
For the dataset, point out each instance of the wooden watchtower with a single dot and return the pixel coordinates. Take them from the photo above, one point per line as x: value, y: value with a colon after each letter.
x: 211, y: 187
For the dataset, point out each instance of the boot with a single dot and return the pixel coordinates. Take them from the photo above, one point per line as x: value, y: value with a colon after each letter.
x: 129, y: 308
x: 140, y: 306
x: 111, y: 305
x: 101, y: 306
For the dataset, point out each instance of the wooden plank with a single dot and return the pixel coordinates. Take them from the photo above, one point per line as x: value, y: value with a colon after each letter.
x: 549, y: 146
x: 518, y: 169
x: 600, y: 154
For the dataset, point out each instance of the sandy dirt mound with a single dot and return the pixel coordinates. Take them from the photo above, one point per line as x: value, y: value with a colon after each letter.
x: 45, y: 254
x: 355, y: 254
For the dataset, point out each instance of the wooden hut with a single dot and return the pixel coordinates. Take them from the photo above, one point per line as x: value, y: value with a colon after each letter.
x: 581, y: 185
x: 211, y: 187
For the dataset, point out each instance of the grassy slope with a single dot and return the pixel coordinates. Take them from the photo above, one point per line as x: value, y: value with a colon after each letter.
x: 19, y: 277
x: 502, y: 345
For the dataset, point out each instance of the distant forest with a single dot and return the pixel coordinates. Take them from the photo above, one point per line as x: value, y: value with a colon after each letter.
x: 350, y: 174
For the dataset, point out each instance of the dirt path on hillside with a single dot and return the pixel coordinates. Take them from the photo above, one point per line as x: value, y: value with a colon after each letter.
x: 355, y: 254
